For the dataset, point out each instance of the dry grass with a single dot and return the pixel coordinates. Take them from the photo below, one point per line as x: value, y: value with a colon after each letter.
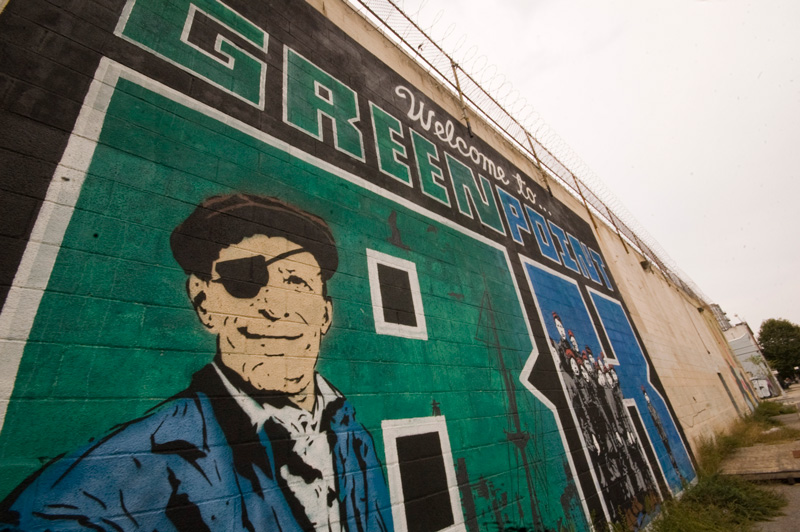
x: 720, y: 503
x: 758, y: 428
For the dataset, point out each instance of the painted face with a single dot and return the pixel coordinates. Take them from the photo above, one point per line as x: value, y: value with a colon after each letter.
x: 574, y: 342
x: 560, y: 328
x: 265, y: 302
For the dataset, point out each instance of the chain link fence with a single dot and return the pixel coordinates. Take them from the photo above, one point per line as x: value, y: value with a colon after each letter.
x: 490, y: 96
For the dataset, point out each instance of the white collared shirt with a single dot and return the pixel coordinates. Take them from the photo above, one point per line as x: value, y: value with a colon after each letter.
x: 310, y: 445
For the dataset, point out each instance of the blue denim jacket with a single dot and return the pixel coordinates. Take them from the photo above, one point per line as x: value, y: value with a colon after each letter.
x: 196, y: 463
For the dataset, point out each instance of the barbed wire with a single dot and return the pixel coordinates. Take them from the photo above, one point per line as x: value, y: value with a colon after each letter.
x: 470, y: 76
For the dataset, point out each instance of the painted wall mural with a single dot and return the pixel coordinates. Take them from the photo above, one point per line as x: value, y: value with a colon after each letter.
x: 272, y: 286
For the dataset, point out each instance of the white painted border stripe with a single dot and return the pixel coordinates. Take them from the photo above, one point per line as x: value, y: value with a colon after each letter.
x: 36, y: 265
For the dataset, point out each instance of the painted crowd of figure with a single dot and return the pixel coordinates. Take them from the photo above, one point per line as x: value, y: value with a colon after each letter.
x: 621, y: 469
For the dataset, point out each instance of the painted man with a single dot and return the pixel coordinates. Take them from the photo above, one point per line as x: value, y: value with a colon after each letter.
x: 259, y: 440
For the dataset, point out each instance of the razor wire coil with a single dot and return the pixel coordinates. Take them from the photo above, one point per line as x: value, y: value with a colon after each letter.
x: 491, y: 96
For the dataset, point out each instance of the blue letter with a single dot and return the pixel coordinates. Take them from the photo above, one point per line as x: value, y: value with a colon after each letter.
x: 539, y: 226
x: 602, y: 267
x: 582, y: 254
x: 514, y: 215
x: 559, y: 233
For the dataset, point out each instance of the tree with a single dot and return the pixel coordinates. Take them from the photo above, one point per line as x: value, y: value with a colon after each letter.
x: 780, y: 342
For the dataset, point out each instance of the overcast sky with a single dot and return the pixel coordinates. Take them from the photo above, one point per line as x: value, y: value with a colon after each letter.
x: 688, y: 111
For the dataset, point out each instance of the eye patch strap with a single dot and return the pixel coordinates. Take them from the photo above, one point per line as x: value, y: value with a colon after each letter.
x: 283, y: 256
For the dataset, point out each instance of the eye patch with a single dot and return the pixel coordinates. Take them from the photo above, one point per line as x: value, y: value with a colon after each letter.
x: 244, y: 278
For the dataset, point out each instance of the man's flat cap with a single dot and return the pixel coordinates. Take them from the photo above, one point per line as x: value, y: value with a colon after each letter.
x: 221, y: 221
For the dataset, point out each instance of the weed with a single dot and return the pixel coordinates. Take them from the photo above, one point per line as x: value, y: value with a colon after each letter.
x: 757, y: 428
x: 769, y: 409
x: 721, y: 503
x: 738, y: 498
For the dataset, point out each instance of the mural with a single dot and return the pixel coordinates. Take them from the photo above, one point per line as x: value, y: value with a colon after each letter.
x: 273, y: 286
x: 258, y: 426
x: 604, y: 403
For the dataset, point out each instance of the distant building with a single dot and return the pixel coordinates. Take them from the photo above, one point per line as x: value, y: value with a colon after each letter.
x: 746, y: 349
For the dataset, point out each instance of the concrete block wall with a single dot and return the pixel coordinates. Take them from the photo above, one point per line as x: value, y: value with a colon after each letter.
x: 256, y: 275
